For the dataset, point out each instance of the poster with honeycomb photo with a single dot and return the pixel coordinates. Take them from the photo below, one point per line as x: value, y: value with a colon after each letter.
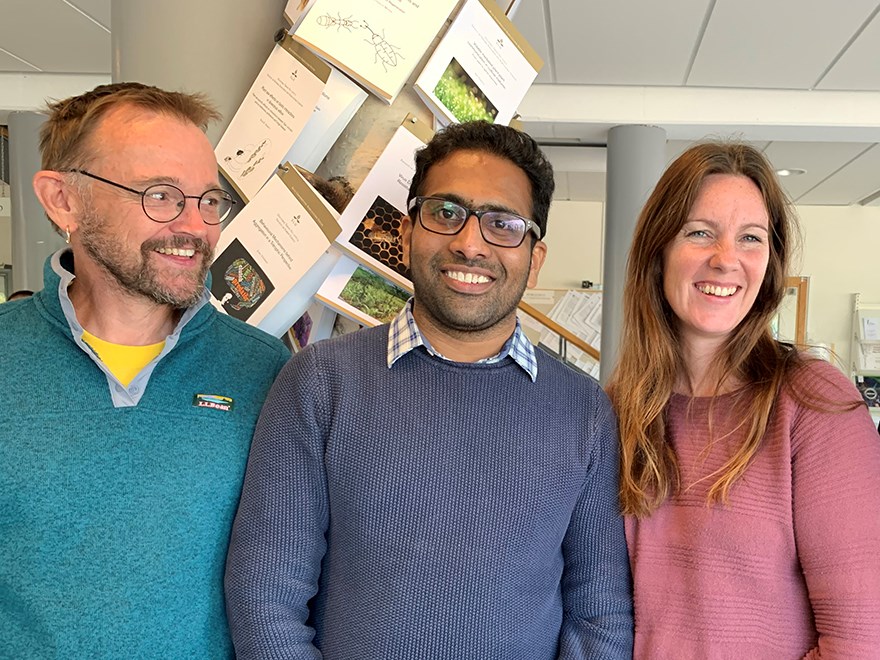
x: 371, y: 221
x: 378, y: 235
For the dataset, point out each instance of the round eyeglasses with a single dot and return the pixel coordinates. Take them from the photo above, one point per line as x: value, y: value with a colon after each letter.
x: 163, y: 202
x: 501, y: 228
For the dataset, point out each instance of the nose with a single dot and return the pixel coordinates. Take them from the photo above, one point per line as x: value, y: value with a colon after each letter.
x: 724, y: 256
x: 469, y: 241
x: 190, y: 220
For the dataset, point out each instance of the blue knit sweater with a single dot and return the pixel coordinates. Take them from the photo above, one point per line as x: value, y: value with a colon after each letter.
x: 430, y: 510
x: 114, y: 521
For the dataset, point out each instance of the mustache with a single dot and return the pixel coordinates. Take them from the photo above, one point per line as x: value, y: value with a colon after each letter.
x: 482, y: 264
x: 179, y: 242
x: 468, y: 263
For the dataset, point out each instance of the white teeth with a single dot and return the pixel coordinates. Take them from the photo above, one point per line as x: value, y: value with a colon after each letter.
x: 722, y: 291
x: 467, y: 278
x: 177, y: 252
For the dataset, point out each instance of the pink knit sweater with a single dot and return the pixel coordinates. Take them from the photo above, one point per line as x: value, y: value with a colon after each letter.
x: 790, y: 567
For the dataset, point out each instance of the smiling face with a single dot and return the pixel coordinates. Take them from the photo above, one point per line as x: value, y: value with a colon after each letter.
x: 714, y: 267
x: 165, y: 263
x: 466, y: 288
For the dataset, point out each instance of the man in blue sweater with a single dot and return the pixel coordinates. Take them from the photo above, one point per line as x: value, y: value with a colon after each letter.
x: 128, y: 401
x: 436, y: 488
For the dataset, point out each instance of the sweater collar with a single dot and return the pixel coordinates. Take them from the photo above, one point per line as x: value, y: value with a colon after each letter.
x: 59, y: 273
x: 404, y: 336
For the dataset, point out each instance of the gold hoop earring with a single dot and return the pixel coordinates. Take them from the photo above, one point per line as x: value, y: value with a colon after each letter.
x: 67, y: 235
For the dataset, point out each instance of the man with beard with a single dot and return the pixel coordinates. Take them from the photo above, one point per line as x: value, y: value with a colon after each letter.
x: 128, y: 401
x: 436, y: 488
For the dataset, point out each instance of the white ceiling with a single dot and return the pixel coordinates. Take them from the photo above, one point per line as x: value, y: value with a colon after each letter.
x: 800, y: 78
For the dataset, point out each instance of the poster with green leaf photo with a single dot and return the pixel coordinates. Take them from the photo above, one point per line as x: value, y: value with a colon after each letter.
x: 361, y: 294
x: 481, y: 69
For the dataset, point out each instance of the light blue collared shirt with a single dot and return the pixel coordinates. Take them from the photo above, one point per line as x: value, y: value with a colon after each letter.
x: 404, y: 336
x: 121, y: 395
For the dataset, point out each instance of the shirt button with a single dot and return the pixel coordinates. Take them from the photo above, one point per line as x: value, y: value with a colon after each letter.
x: 134, y: 389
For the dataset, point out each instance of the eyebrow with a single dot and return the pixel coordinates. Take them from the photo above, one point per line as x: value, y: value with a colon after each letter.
x: 469, y: 203
x: 171, y: 180
x: 714, y: 224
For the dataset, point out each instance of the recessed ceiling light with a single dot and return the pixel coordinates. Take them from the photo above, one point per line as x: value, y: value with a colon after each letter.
x: 791, y: 171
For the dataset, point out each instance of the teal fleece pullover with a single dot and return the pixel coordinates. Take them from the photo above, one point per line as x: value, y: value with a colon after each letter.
x: 114, y: 521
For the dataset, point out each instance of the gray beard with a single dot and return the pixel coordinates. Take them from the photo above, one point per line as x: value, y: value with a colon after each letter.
x: 137, y: 276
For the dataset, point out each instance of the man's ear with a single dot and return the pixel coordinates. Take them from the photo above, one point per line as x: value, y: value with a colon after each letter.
x: 539, y: 253
x: 60, y: 202
x: 406, y: 227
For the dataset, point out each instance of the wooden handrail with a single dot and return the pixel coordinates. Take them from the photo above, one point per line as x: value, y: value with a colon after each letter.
x: 802, y: 284
x: 566, y: 334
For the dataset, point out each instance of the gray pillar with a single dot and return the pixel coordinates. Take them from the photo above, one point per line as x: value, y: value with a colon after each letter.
x: 33, y: 236
x: 213, y: 46
x: 636, y: 158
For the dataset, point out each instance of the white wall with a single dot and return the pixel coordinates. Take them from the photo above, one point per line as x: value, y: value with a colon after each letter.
x: 5, y: 232
x: 574, y: 245
x: 841, y: 250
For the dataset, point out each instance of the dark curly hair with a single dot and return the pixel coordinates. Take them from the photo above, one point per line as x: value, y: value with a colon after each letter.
x: 503, y: 141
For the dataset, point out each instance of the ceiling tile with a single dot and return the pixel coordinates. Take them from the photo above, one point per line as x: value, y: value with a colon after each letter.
x: 849, y: 185
x: 9, y: 64
x: 626, y: 42
x: 99, y: 10
x: 53, y: 36
x: 819, y: 159
x: 858, y: 68
x: 784, y: 44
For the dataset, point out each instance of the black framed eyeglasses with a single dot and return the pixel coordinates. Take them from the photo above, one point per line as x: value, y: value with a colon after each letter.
x: 442, y: 216
x: 163, y: 202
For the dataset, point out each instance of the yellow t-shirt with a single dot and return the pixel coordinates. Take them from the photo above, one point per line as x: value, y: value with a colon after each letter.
x: 124, y: 362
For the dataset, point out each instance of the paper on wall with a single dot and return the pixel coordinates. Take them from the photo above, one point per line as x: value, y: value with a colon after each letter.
x: 481, y: 69
x: 269, y: 247
x: 273, y: 114
x: 377, y: 42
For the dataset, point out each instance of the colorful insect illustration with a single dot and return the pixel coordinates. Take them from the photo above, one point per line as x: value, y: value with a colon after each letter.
x: 245, y: 283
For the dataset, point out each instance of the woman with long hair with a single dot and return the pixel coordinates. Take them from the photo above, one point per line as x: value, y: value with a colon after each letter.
x: 750, y: 472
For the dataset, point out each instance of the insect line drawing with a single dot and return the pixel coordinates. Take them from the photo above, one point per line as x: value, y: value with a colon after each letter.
x: 250, y: 168
x: 386, y: 52
x: 244, y: 156
x: 329, y: 21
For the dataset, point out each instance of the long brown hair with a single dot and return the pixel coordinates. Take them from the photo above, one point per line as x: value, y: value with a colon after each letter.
x: 650, y: 352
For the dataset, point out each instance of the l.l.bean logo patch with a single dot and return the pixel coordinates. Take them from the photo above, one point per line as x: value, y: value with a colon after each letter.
x: 215, y: 401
